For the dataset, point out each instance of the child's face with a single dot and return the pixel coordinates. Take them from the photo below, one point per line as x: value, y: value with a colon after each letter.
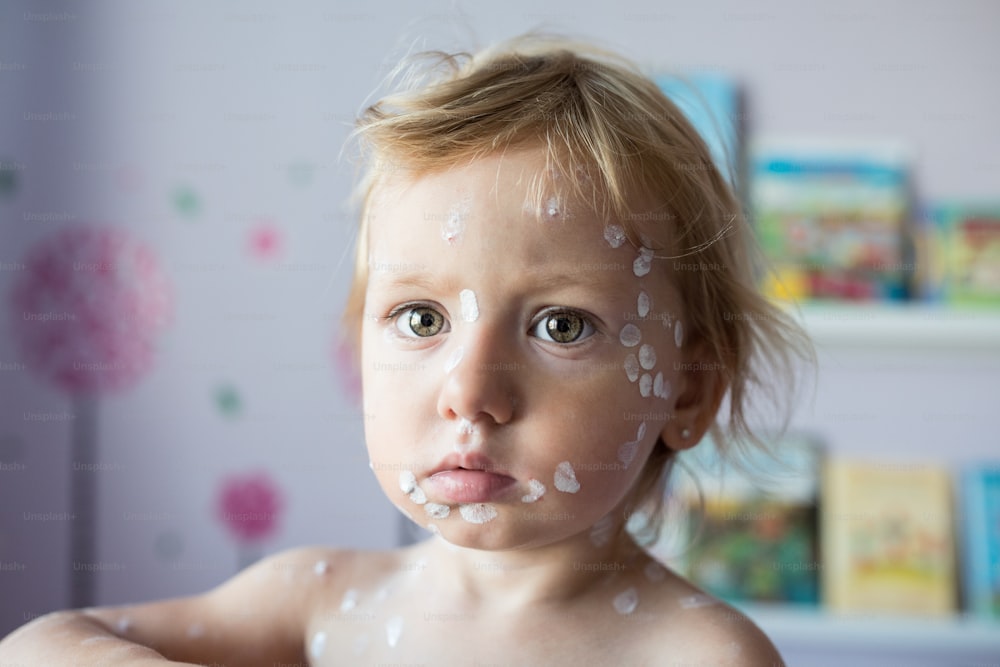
x: 518, y: 368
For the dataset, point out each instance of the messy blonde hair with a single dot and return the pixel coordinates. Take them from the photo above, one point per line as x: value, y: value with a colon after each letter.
x: 613, y: 139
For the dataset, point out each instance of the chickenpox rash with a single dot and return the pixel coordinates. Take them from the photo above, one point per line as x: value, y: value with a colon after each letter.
x: 454, y: 222
x: 478, y: 512
x: 565, y: 478
x: 614, y: 235
x: 469, y: 304
x: 535, y: 491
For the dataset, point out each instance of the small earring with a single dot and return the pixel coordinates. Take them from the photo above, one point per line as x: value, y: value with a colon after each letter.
x: 685, y: 433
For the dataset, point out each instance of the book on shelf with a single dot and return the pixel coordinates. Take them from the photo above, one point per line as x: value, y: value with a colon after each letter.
x: 832, y: 217
x: 750, y: 527
x: 968, y: 235
x: 980, y: 535
x: 886, y: 538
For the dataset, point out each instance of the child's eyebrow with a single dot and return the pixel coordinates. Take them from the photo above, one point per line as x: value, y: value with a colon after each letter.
x: 548, y: 280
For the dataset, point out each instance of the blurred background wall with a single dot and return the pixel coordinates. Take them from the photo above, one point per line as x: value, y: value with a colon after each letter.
x: 211, y: 133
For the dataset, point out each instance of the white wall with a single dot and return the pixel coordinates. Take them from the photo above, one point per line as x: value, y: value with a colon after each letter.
x: 223, y: 96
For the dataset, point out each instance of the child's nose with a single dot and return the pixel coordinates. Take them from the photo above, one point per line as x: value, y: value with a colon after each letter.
x: 479, y: 386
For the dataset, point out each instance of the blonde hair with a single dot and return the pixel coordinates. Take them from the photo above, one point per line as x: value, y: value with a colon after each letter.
x: 614, y: 139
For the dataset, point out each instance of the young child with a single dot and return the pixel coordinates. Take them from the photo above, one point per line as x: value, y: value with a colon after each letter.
x: 552, y: 298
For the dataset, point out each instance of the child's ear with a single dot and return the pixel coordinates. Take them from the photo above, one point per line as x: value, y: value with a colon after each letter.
x: 702, y: 385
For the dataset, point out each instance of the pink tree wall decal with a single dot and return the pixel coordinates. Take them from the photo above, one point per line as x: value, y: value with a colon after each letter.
x: 249, y: 506
x: 86, y: 313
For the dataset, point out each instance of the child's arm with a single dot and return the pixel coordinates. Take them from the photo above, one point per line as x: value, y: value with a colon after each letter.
x: 257, y: 618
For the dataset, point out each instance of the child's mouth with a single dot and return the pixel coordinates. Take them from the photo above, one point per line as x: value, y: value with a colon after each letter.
x: 461, y: 485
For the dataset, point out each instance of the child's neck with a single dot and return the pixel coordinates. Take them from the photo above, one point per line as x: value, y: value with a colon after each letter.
x: 547, y: 575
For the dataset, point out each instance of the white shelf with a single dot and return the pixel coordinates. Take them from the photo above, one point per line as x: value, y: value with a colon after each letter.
x: 902, y: 326
x: 804, y: 630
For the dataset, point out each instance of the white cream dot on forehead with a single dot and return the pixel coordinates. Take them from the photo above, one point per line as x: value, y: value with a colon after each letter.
x: 321, y: 567
x: 565, y: 478
x: 626, y: 602
x: 477, y: 512
x: 679, y: 333
x: 552, y: 208
x: 645, y: 385
x: 647, y: 356
x: 470, y: 306
x: 630, y: 335
x: 454, y: 222
x: 642, y: 264
x: 614, y: 235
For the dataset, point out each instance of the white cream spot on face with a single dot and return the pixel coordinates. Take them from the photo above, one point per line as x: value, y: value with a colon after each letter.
x: 647, y: 356
x: 552, y: 208
x: 436, y: 511
x: 626, y: 601
x: 454, y: 359
x: 418, y: 496
x: 349, y: 601
x: 640, y: 432
x: 602, y: 531
x: 662, y: 387
x: 124, y: 625
x: 478, y: 512
x: 393, y: 630
x: 407, y: 481
x: 630, y: 335
x: 454, y: 222
x: 565, y: 478
x: 643, y: 262
x: 535, y: 491
x: 679, y: 333
x: 317, y: 645
x: 627, y: 451
x: 470, y: 306
x: 643, y: 304
x: 321, y: 567
x: 645, y: 385
x: 632, y: 368
x: 614, y: 235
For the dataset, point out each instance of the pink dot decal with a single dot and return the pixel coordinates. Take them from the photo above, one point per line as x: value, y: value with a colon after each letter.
x: 249, y: 506
x: 264, y: 241
x: 88, y: 308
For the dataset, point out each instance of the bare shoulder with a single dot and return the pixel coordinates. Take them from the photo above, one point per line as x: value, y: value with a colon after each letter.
x: 703, y: 631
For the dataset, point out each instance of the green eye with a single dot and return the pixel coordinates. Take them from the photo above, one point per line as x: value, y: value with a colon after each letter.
x: 563, y: 326
x: 421, y: 321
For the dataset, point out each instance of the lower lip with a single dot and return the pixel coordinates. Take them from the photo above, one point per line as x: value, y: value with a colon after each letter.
x: 468, y: 486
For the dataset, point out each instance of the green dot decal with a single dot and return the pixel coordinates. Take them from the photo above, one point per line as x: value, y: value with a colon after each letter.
x: 186, y: 202
x: 228, y: 400
x: 8, y: 178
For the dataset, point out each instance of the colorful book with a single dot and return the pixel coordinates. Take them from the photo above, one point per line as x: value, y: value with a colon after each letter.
x: 752, y: 529
x: 832, y: 217
x: 887, y: 539
x: 970, y: 238
x: 980, y: 502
